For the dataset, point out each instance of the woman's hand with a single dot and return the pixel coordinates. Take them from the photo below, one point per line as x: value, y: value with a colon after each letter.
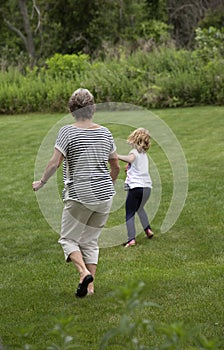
x: 36, y: 185
x: 51, y: 168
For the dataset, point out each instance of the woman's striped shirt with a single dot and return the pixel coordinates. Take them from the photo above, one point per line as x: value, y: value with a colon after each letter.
x: 86, y: 175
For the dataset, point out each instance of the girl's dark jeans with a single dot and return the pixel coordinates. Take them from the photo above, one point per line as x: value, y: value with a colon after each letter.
x: 135, y: 202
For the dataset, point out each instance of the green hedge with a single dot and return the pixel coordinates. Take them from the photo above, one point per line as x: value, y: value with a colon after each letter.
x: 164, y: 77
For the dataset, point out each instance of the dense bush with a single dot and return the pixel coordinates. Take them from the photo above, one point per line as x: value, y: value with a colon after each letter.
x: 164, y: 77
x: 67, y: 66
x: 210, y: 43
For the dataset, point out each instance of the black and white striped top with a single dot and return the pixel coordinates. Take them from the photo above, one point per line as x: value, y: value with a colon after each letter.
x: 86, y: 175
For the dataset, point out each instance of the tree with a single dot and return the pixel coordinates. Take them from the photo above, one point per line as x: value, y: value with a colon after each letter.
x: 185, y: 16
x: 41, y: 28
x: 16, y: 17
x: 157, y: 9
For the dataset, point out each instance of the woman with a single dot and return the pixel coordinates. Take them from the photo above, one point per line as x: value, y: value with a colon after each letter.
x: 85, y: 148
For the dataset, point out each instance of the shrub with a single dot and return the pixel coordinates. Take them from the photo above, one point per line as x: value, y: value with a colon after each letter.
x: 67, y: 66
x: 154, y: 30
x: 165, y: 77
x: 209, y: 43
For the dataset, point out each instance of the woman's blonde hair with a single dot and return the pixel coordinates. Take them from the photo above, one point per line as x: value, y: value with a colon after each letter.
x: 81, y: 104
x: 140, y: 139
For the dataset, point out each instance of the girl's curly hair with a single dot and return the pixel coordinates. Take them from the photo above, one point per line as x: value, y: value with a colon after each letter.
x: 81, y: 104
x: 140, y: 139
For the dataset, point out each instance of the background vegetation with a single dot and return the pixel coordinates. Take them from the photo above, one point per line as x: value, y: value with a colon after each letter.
x: 153, y: 53
x: 40, y: 28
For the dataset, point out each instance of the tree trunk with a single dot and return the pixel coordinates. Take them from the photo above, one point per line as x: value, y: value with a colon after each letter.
x: 29, y: 37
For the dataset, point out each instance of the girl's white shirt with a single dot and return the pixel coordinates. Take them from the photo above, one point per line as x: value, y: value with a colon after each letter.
x: 138, y: 171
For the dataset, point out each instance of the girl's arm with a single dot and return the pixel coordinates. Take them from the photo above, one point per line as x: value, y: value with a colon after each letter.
x: 128, y: 159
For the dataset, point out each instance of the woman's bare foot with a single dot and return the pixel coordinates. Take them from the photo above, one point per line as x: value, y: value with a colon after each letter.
x: 90, y: 289
x: 83, y: 274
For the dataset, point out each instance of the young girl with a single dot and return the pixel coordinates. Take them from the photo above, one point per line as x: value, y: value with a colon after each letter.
x: 138, y: 183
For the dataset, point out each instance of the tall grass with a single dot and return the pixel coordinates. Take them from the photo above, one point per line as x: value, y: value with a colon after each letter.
x: 164, y: 77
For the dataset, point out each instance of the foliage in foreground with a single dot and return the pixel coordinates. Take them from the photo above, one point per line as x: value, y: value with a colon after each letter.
x: 174, y: 336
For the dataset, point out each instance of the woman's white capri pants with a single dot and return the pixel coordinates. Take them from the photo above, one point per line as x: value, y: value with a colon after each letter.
x: 81, y: 227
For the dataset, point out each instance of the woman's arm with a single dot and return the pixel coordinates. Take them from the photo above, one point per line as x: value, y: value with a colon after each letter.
x: 51, y: 168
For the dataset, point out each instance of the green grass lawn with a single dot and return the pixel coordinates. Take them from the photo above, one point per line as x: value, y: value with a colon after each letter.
x: 183, y: 269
